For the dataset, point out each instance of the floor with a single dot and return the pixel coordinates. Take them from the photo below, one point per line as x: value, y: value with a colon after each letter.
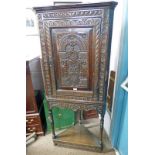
x: 44, y: 144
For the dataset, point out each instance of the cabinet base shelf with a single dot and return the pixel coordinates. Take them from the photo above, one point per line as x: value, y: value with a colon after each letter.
x: 78, y: 137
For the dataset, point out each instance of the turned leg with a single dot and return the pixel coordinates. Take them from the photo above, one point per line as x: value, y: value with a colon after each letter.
x: 101, y: 130
x: 81, y: 116
x: 102, y: 124
x: 78, y: 116
x: 52, y: 123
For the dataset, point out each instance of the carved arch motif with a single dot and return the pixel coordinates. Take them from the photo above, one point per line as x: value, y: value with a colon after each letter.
x: 72, y: 64
x: 72, y: 39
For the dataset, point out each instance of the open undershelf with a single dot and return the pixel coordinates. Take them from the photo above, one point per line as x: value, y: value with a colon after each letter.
x: 79, y: 137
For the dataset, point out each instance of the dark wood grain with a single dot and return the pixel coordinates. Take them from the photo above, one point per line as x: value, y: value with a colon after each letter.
x: 33, y: 120
x: 90, y: 114
x: 34, y: 128
x: 31, y: 105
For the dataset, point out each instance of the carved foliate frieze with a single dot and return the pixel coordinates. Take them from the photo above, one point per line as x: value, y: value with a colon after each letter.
x: 75, y: 107
x: 73, y: 22
x: 73, y: 13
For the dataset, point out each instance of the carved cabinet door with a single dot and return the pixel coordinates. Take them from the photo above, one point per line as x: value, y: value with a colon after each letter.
x: 72, y: 58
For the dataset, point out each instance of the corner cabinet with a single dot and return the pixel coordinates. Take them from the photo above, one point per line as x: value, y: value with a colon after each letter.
x: 75, y: 43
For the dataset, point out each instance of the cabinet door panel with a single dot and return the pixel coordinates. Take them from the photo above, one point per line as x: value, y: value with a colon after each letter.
x: 72, y: 48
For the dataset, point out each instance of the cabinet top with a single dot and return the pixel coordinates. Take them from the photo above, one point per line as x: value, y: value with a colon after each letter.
x: 46, y: 8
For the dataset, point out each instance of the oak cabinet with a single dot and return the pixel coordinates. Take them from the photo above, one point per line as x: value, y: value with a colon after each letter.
x: 75, y: 43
